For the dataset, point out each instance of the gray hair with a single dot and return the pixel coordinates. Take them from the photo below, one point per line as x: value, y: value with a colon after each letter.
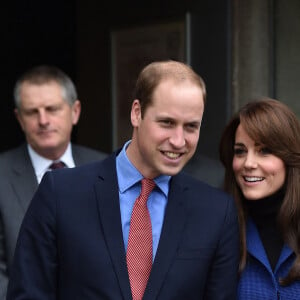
x: 44, y: 74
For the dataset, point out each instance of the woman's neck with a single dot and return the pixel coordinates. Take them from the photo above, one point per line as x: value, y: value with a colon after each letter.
x: 264, y: 213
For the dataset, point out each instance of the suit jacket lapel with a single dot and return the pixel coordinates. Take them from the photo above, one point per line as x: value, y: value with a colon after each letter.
x: 173, y: 225
x: 24, y: 181
x: 109, y: 210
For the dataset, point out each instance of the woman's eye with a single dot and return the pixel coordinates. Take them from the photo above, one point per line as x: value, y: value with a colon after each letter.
x: 265, y: 150
x: 238, y: 151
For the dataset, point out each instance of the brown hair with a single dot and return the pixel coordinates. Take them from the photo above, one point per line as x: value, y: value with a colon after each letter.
x: 273, y: 124
x: 154, y: 73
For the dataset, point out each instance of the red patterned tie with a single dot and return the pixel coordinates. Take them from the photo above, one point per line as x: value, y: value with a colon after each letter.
x: 139, y: 249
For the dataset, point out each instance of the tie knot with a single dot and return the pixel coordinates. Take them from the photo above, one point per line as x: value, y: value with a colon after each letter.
x: 147, y: 187
x: 57, y: 165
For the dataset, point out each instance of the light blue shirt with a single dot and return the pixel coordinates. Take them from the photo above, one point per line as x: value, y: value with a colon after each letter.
x: 129, y: 189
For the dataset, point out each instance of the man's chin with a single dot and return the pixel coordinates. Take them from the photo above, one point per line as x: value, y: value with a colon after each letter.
x: 171, y: 171
x: 47, y: 146
x: 46, y: 149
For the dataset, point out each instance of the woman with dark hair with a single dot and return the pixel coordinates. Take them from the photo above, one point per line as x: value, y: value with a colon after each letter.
x: 260, y: 150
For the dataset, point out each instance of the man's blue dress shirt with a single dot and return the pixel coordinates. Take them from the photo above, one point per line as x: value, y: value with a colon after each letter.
x: 129, y: 180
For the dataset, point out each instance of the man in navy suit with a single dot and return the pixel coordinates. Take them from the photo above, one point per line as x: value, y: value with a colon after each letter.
x: 46, y: 108
x: 74, y: 237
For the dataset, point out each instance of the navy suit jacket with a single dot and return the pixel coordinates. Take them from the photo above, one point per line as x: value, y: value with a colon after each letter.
x: 18, y: 184
x: 71, y: 244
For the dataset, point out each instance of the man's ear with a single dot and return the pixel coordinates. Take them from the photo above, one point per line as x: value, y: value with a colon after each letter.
x: 136, y: 113
x: 76, y: 110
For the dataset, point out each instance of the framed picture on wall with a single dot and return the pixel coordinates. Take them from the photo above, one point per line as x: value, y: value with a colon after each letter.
x: 133, y: 48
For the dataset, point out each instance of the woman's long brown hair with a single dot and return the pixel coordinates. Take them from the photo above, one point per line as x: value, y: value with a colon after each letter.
x: 272, y: 124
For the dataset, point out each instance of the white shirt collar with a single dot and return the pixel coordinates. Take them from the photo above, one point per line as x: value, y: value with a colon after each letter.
x: 41, y: 164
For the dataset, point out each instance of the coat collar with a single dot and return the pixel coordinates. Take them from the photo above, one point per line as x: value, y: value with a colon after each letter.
x: 107, y: 194
x: 24, y: 181
x: 256, y: 248
x: 174, y: 221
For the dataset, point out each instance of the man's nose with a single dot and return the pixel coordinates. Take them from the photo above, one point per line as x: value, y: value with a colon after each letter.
x: 43, y: 117
x: 177, y: 138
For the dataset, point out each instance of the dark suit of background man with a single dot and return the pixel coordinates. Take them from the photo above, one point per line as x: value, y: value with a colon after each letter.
x: 46, y: 108
x: 73, y: 241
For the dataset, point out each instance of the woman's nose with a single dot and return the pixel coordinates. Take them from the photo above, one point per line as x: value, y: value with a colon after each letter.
x: 250, y: 161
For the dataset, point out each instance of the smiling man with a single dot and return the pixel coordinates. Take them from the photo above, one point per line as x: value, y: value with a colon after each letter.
x: 88, y: 234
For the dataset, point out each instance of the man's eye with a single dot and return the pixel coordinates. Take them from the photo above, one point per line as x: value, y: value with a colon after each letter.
x: 29, y: 112
x: 52, y: 109
x: 166, y: 122
x: 193, y: 126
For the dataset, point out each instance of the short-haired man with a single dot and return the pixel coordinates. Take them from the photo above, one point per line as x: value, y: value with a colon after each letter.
x: 46, y: 107
x: 85, y: 236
